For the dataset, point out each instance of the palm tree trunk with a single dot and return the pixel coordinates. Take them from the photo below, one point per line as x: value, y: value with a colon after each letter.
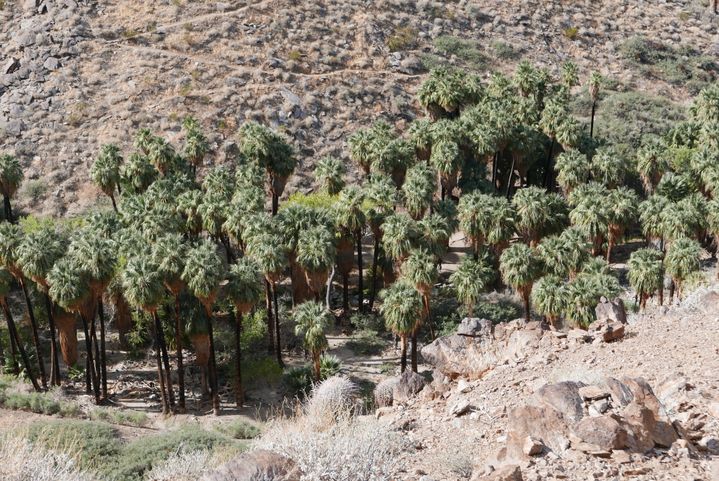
x: 114, y: 204
x: 661, y: 294
x: 90, y: 363
x: 275, y: 204
x: 591, y: 125
x: 527, y: 315
x: 239, y: 394
x: 427, y: 316
x: 96, y: 345
x: 161, y: 376
x: 610, y: 244
x: 414, y: 352
x: 103, y: 351
x: 54, y: 362
x: 375, y: 260
x: 119, y: 189
x: 8, y: 210
x: 35, y: 336
x: 278, y: 344
x: 360, y: 283
x: 228, y: 249
x: 328, y: 292
x: 178, y: 347
x: 494, y: 170
x: 270, y: 319
x: 13, y: 354
x: 18, y: 343
x: 317, y: 365
x: 165, y: 360
x: 213, y: 368
x: 345, y: 294
x: 511, y: 177
x: 404, y: 353
x: 672, y: 288
x: 548, y: 165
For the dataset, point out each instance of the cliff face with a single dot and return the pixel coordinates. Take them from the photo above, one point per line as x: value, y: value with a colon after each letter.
x: 77, y: 74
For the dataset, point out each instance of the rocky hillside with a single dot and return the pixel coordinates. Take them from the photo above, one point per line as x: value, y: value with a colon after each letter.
x: 77, y: 73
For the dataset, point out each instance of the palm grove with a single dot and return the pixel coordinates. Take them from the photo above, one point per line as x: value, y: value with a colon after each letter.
x: 541, y: 201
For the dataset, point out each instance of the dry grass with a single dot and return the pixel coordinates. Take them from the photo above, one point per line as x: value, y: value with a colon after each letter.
x: 23, y: 462
x: 182, y: 467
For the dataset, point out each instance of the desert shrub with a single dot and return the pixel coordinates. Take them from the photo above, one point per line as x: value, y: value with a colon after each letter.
x: 22, y: 461
x: 264, y: 369
x: 299, y: 381
x: 359, y: 449
x: 240, y: 429
x: 92, y: 445
x: 41, y: 403
x: 366, y: 342
x: 367, y: 321
x: 403, y: 38
x: 329, y: 366
x: 681, y: 65
x: 140, y: 456
x: 466, y: 50
x: 504, y: 51
x: 120, y: 416
x: 188, y: 466
x: 571, y: 33
x: 332, y: 400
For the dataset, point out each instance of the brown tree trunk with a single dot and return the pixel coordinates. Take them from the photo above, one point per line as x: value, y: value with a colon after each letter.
x: 375, y: 260
x: 345, y: 293
x: 404, y: 353
x: 66, y: 326
x: 213, y: 368
x: 8, y: 209
x: 12, y: 329
x: 278, y: 343
x: 54, y: 362
x: 103, y: 351
x: 239, y: 393
x: 165, y: 360
x: 180, y: 363
x: 527, y: 314
x: 414, y: 352
x: 270, y: 318
x: 161, y: 376
x: 89, y: 365
x: 360, y: 283
x: 35, y: 336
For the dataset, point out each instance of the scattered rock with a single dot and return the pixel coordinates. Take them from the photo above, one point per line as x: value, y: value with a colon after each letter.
x: 260, y: 464
x: 10, y: 66
x: 602, y: 431
x: 611, y: 311
x: 407, y: 386
x: 532, y: 446
x: 459, y: 407
x: 505, y: 473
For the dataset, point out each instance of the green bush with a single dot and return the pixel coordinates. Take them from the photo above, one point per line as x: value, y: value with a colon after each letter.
x: 264, y: 369
x: 504, y: 51
x: 403, y: 38
x: 329, y: 366
x: 467, y: 50
x: 36, y: 402
x: 119, y: 416
x: 299, y: 381
x: 240, y: 429
x: 370, y: 322
x: 366, y: 342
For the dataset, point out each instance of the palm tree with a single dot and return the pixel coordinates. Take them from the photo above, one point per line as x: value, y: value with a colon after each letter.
x: 591, y: 214
x: 381, y: 196
x: 585, y: 291
x: 595, y: 81
x: 651, y: 166
x: 203, y: 272
x: 564, y: 255
x: 137, y: 173
x: 350, y: 216
x: 622, y: 212
x: 105, y: 171
x: 244, y: 289
x: 650, y: 217
x: 646, y: 273
x: 36, y: 255
x: 573, y: 168
x: 329, y: 172
x: 311, y: 321
x: 608, y: 167
x: 471, y: 279
x: 549, y: 298
x: 446, y: 160
x: 420, y: 135
x: 554, y: 114
x: 70, y: 289
x: 401, y: 234
x: 486, y: 219
x: 360, y: 145
x: 682, y: 260
x: 169, y: 254
x: 272, y: 153
x: 538, y: 213
x: 713, y: 221
x: 520, y: 267
x: 446, y: 91
x: 570, y: 75
x: 5, y: 285
x: 144, y: 290
x: 196, y: 145
x: 316, y: 255
x: 420, y: 268
x: 162, y: 156
x: 418, y: 189
x: 11, y: 237
x: 11, y: 177
x: 402, y: 310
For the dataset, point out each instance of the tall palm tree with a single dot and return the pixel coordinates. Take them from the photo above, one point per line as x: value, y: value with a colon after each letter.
x: 418, y: 189
x: 70, y: 289
x: 162, y: 156
x: 203, y: 272
x: 651, y: 166
x: 446, y: 160
x: 36, y: 255
x: 520, y: 267
x: 549, y: 298
x: 401, y: 234
x: 329, y: 172
x: 311, y: 321
x: 446, y: 91
x: 137, y: 173
x: 105, y: 171
x: 272, y: 153
x: 15, y: 341
x: 144, y: 290
x: 196, y: 145
x: 646, y: 273
x: 554, y: 114
x: 570, y: 75
x: 316, y: 254
x: 470, y: 280
x: 682, y: 260
x: 350, y: 216
x: 381, y: 197
x: 650, y: 217
x: 11, y: 177
x: 169, y: 254
x: 244, y: 289
x: 591, y: 214
x: 573, y: 168
x: 593, y: 85
x: 622, y: 213
x: 11, y: 237
x: 402, y: 310
x: 585, y: 291
x: 420, y: 268
x: 538, y: 213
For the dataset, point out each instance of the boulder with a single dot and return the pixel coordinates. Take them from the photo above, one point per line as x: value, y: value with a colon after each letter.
x: 459, y: 407
x: 504, y: 473
x: 611, y: 311
x: 408, y: 385
x: 532, y: 446
x: 542, y: 423
x: 474, y: 327
x: 603, y: 431
x: 260, y: 464
x: 563, y: 397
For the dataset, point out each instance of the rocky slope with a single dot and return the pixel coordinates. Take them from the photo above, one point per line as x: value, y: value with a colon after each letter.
x: 461, y: 428
x: 77, y: 73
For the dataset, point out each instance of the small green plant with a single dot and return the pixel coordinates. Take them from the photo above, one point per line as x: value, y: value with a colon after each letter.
x: 240, y: 429
x: 572, y: 33
x: 504, y: 51
x: 119, y: 416
x: 467, y: 50
x: 35, y: 190
x: 294, y: 55
x: 129, y: 33
x: 366, y: 342
x: 403, y: 38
